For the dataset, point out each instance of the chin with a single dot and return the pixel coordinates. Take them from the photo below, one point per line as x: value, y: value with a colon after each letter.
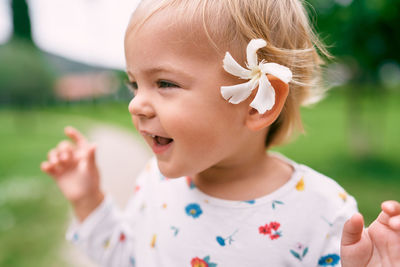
x: 170, y: 171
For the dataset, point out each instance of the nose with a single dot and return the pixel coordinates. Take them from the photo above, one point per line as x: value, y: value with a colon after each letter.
x: 141, y: 106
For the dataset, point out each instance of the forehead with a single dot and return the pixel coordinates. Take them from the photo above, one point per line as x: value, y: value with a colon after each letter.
x: 165, y: 32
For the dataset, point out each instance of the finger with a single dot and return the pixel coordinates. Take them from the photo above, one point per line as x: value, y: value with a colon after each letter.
x: 352, y: 230
x: 45, y: 166
x: 55, y: 165
x: 391, y: 207
x: 65, y: 156
x: 394, y: 223
x: 63, y: 145
x: 75, y: 135
x: 383, y: 218
x: 64, y: 153
x: 48, y: 168
x: 91, y: 156
x: 52, y: 157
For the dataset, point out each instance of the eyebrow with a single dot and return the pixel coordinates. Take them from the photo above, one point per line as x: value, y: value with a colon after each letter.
x: 166, y: 68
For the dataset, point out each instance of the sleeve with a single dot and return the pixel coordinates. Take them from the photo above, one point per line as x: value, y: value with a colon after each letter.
x: 107, y: 234
x: 330, y: 252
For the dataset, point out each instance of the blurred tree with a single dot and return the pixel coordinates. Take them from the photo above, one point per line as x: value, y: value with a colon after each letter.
x: 26, y: 79
x: 365, y: 34
x: 21, y: 20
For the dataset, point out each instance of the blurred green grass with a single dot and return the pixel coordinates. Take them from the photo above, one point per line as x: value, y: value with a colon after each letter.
x: 33, y: 213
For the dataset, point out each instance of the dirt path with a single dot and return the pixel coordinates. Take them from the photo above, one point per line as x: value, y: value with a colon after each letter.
x: 120, y: 156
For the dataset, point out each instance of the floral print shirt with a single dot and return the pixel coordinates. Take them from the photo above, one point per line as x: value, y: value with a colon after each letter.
x: 169, y: 222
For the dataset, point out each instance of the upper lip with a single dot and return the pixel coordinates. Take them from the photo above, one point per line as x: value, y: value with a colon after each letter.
x: 147, y: 133
x: 152, y: 134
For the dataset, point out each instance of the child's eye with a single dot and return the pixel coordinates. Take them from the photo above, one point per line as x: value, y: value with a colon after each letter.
x: 132, y: 86
x: 166, y: 84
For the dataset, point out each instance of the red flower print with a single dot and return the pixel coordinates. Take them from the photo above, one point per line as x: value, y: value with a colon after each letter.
x: 275, y: 236
x: 122, y: 237
x: 197, y: 262
x: 271, y: 229
x: 190, y: 182
x: 137, y: 188
x: 274, y: 225
x: 265, y: 230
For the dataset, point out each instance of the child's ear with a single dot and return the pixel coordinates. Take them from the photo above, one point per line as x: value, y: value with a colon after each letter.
x: 256, y: 121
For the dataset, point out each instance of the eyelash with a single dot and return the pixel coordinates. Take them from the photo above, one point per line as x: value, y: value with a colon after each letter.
x: 166, y: 84
x: 132, y: 86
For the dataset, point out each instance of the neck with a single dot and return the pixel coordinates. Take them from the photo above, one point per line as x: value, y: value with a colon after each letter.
x: 251, y: 175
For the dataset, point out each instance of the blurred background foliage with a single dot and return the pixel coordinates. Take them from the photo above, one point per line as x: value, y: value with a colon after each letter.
x: 352, y: 135
x: 25, y: 78
x: 364, y: 35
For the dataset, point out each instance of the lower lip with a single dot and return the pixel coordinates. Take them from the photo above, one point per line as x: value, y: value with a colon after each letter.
x: 159, y: 149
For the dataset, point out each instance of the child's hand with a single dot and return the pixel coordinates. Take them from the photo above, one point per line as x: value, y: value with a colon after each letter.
x: 378, y: 245
x: 73, y: 167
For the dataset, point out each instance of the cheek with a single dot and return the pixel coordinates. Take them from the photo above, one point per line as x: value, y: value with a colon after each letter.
x: 130, y: 107
x: 205, y: 122
x: 190, y: 127
x: 202, y: 132
x: 135, y: 121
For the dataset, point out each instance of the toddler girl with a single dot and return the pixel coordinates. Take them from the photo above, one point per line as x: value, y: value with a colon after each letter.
x: 216, y: 83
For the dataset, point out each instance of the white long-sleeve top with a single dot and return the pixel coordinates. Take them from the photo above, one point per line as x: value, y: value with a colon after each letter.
x: 169, y: 222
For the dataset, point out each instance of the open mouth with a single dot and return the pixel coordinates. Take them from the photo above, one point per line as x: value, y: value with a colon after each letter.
x: 162, y: 141
x: 159, y: 144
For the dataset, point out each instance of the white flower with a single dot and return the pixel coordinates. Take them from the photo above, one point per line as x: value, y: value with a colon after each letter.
x: 256, y: 73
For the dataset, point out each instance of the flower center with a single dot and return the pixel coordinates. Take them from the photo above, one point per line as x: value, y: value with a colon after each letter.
x: 256, y: 72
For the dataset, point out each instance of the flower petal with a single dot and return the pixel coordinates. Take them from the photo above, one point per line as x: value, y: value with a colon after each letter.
x: 265, y: 97
x: 251, y: 51
x: 279, y: 71
x: 238, y: 92
x: 234, y: 68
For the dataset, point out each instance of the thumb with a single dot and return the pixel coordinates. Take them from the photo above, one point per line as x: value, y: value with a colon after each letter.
x: 352, y: 230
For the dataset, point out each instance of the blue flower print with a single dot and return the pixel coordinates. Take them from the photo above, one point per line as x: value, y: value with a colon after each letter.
x: 194, y: 210
x: 132, y: 261
x: 76, y: 237
x: 329, y: 260
x: 250, y: 201
x: 221, y: 240
x: 162, y: 177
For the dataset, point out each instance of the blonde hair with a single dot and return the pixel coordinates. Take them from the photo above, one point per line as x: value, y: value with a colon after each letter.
x: 285, y: 26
